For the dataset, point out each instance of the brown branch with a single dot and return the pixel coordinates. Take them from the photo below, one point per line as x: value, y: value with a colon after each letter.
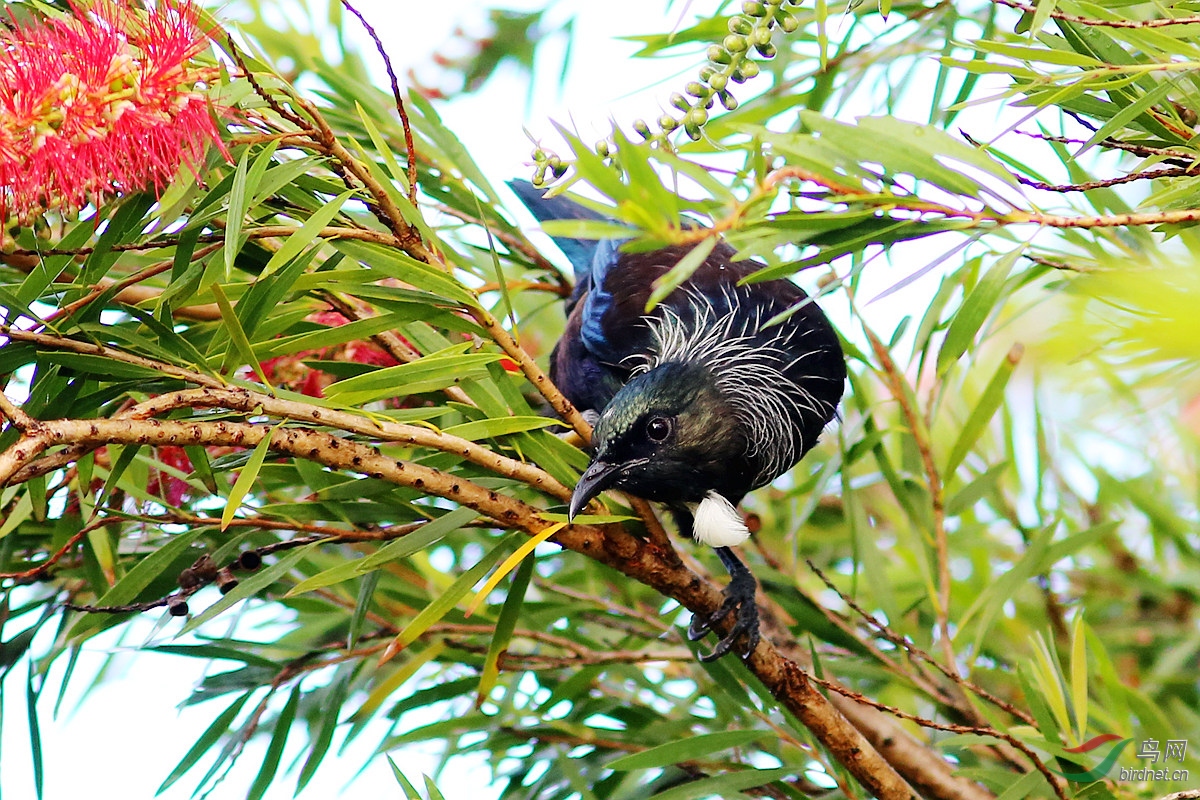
x: 979, y: 730
x: 378, y: 429
x: 400, y: 109
x: 1144, y: 150
x: 637, y: 558
x: 19, y: 419
x: 1160, y: 22
x: 1148, y: 175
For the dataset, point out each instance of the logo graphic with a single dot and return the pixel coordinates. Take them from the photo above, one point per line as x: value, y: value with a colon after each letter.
x: 1100, y: 770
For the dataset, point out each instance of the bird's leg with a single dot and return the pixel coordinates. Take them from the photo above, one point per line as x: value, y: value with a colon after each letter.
x: 739, y: 596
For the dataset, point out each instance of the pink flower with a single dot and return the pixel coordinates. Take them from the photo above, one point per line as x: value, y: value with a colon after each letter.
x: 103, y: 102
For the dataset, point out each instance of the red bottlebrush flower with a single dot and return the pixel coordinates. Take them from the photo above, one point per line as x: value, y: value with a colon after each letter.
x: 170, y: 488
x: 104, y: 102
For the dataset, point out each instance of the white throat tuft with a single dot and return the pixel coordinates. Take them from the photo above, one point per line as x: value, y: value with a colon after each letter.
x: 717, y: 522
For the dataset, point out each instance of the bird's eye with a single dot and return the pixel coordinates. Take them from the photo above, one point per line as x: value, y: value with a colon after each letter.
x: 658, y: 429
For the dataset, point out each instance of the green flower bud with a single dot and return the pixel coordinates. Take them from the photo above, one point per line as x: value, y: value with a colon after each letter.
x: 558, y: 168
x: 754, y: 9
x: 740, y: 26
x: 693, y: 130
x: 539, y: 175
x: 786, y: 21
x: 762, y: 36
x: 696, y: 89
x: 602, y: 148
x: 539, y: 155
x: 766, y: 50
x: 642, y: 128
x: 728, y: 100
x: 735, y: 44
x: 680, y: 102
x: 668, y: 123
x: 706, y: 72
x: 698, y: 116
x: 748, y: 69
x: 718, y: 54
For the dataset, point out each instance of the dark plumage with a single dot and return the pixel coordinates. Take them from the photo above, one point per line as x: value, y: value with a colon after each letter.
x: 698, y: 402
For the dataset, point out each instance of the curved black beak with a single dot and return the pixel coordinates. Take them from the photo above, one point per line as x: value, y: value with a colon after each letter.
x: 596, y: 478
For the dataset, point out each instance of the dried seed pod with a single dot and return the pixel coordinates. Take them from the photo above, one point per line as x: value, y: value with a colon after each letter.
x: 177, y: 607
x: 226, y: 582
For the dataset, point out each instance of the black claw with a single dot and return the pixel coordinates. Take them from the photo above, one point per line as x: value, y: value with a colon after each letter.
x: 739, y: 596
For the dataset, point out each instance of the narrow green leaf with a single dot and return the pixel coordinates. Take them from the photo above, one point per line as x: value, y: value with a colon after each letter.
x: 410, y: 791
x: 693, y: 747
x: 725, y: 785
x: 976, y: 308
x: 246, y: 478
x: 1044, y: 9
x: 394, y: 264
x: 432, y: 789
x: 433, y: 372
x: 212, y: 734
x: 279, y: 737
x: 502, y: 426
x: 238, y: 341
x: 680, y: 272
x: 457, y: 591
x: 35, y: 733
x: 307, y: 233
x: 1128, y: 114
x: 238, y: 206
x: 985, y: 408
x: 1079, y: 675
x: 506, y: 623
x: 366, y: 593
x: 1023, y: 787
x: 420, y: 539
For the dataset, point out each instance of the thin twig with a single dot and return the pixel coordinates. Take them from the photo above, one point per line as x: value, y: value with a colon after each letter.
x: 1148, y: 175
x: 1161, y: 22
x: 409, y: 145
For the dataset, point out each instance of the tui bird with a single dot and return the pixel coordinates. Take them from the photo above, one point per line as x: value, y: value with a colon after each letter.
x: 699, y: 401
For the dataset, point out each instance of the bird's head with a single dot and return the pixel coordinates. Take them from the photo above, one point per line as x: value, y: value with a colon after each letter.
x: 668, y: 435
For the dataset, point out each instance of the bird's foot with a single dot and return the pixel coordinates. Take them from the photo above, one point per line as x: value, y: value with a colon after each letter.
x: 739, y: 597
